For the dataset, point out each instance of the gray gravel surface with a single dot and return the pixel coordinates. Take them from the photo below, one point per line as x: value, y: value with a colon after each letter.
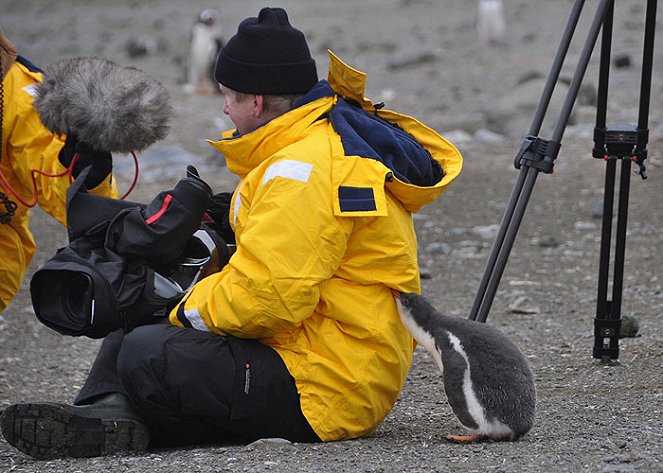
x: 422, y: 57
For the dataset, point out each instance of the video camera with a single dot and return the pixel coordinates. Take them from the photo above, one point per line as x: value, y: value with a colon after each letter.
x: 127, y: 264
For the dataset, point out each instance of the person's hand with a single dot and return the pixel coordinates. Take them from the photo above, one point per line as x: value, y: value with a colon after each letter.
x: 101, y: 161
x: 192, y: 173
x: 219, y: 211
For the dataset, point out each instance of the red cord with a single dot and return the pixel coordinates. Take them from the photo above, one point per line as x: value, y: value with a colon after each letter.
x: 9, y: 188
x: 135, y: 180
x: 68, y: 170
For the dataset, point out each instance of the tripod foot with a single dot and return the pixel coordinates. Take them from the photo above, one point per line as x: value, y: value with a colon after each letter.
x: 608, y: 361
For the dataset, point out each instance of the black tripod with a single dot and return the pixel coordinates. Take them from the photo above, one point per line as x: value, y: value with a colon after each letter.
x: 625, y: 143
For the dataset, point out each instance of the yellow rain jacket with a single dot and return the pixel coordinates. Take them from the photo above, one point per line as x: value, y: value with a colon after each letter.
x: 324, y: 233
x: 27, y: 146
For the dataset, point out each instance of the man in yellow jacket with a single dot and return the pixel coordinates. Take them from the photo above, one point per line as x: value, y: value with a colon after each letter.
x: 298, y: 336
x: 28, y: 151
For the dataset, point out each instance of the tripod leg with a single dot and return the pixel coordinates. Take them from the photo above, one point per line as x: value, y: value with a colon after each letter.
x: 628, y: 144
x: 647, y: 64
x: 607, y: 322
x: 605, y: 328
x: 535, y: 126
x: 556, y: 68
x: 606, y: 236
x: 519, y: 199
x: 602, y: 12
x: 497, y: 245
x: 609, y: 186
x: 505, y: 249
x: 620, y: 243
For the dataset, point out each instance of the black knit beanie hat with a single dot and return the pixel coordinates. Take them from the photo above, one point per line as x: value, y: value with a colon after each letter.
x: 267, y: 56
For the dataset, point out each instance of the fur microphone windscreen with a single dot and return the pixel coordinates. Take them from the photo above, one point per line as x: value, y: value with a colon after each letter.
x: 105, y: 105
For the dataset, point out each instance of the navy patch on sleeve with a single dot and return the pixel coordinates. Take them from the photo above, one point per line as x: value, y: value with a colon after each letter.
x: 356, y: 199
x: 181, y: 316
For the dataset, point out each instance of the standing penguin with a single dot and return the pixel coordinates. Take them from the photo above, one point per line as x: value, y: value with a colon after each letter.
x: 487, y: 380
x: 491, y: 26
x: 204, y: 43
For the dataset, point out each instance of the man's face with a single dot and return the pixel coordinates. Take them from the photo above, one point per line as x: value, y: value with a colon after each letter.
x: 242, y: 112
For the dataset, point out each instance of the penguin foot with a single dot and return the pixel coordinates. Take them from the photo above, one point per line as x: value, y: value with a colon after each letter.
x: 464, y: 438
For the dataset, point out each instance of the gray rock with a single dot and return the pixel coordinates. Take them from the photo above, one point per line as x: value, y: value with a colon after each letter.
x: 597, y: 209
x: 438, y: 248
x: 512, y: 113
x: 412, y: 58
x: 483, y: 135
x: 622, y: 60
x: 523, y: 305
x: 486, y: 232
x: 630, y: 327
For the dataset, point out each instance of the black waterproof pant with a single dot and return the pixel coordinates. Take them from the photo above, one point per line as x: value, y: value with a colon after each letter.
x: 193, y: 387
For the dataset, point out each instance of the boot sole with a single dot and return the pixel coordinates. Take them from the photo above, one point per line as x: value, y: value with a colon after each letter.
x: 46, y: 431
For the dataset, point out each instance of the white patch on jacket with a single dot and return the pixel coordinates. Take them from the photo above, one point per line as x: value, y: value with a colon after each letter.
x: 31, y: 90
x: 193, y: 316
x: 289, y: 169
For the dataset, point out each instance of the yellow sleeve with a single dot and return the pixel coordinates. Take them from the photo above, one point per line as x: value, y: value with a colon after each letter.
x: 290, y: 241
x: 33, y: 152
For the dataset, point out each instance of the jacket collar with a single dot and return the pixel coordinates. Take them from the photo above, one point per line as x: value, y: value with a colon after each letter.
x: 244, y: 152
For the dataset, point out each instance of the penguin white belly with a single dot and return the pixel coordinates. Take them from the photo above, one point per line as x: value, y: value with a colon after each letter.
x: 422, y: 337
x: 491, y: 26
x: 486, y: 428
x: 201, y: 55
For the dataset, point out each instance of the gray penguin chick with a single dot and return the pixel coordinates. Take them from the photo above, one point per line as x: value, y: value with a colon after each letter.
x: 487, y: 380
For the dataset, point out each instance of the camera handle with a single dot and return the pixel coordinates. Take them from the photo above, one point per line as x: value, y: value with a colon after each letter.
x: 538, y: 155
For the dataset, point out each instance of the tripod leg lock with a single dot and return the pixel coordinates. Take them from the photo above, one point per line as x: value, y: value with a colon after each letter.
x: 537, y: 153
x: 622, y: 141
x: 606, y: 337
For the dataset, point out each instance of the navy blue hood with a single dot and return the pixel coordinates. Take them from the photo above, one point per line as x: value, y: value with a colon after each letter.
x: 366, y: 135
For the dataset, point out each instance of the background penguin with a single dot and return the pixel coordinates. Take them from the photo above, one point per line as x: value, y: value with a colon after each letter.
x: 491, y: 25
x: 487, y: 380
x: 204, y: 44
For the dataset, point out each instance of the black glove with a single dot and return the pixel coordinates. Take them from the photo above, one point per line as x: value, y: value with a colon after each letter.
x: 192, y: 172
x: 101, y: 161
x: 218, y: 209
x: 193, y: 193
x: 219, y: 212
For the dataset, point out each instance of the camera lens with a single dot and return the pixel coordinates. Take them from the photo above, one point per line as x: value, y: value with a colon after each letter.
x: 76, y: 295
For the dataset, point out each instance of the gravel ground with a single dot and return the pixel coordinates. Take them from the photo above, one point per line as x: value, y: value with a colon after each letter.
x: 423, y: 58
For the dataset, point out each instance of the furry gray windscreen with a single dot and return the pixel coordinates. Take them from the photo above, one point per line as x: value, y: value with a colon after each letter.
x: 108, y: 106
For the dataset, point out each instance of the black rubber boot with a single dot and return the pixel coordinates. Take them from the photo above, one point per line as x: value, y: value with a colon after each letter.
x: 46, y: 430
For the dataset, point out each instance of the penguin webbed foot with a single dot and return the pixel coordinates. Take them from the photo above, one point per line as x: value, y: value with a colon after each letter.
x: 476, y: 438
x: 469, y: 438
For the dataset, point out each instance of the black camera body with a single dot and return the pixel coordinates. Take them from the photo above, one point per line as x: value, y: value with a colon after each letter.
x: 126, y: 264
